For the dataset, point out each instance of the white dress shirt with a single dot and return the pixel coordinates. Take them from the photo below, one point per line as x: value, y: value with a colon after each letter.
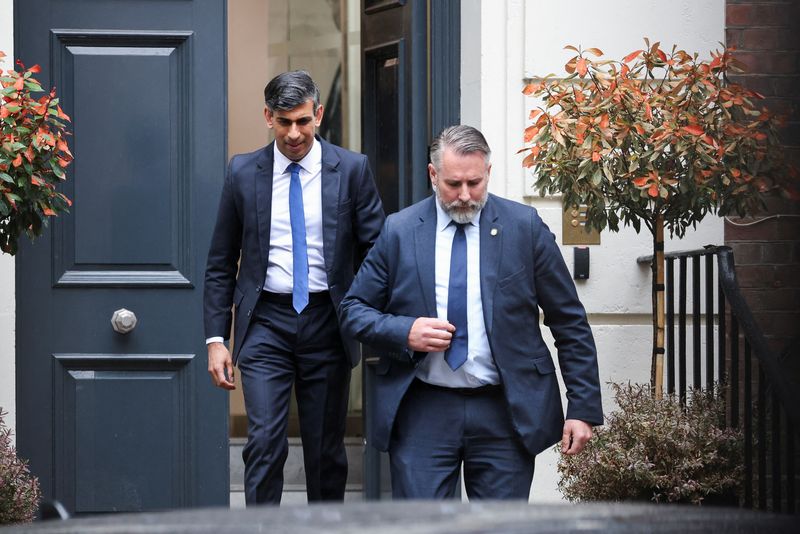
x: 479, y: 369
x: 278, y: 278
x: 279, y: 268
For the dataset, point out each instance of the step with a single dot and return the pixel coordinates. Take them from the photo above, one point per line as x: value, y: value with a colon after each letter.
x: 294, y: 486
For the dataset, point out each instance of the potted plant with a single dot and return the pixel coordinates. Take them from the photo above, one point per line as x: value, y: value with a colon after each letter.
x: 33, y: 156
x: 659, y: 450
x: 658, y: 139
x: 19, y: 490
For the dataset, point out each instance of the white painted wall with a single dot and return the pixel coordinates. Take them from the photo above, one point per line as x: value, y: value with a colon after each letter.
x: 506, y: 41
x: 7, y: 302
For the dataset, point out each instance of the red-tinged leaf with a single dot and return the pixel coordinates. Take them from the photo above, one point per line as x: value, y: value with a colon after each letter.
x: 623, y: 72
x: 17, y: 161
x: 706, y: 173
x: 534, y: 113
x: 641, y: 181
x: 535, y: 149
x: 715, y: 62
x: 530, y: 132
x: 4, y: 112
x: 63, y: 147
x: 648, y: 112
x: 604, y: 121
x: 570, y: 47
x: 29, y: 153
x: 2, y: 54
x: 35, y: 180
x: 35, y: 69
x: 10, y: 199
x: 63, y: 162
x: 68, y: 201
x: 62, y: 115
x: 529, y: 160
x: 19, y: 84
x: 596, y: 51
x: 639, y: 128
x: 48, y: 212
x: 693, y: 129
x: 570, y: 66
x: 653, y: 190
x: 595, y: 156
x: 582, y: 67
x: 736, y: 173
x: 661, y: 55
x: 633, y: 55
x: 760, y: 136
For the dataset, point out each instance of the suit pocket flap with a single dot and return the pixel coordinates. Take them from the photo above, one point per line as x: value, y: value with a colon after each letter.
x: 237, y: 296
x: 544, y: 364
x: 514, y: 277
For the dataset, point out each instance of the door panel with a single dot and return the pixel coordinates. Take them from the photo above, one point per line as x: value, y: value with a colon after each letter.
x: 109, y: 421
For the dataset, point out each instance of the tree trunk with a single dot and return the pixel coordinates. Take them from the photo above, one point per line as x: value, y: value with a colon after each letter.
x: 657, y: 363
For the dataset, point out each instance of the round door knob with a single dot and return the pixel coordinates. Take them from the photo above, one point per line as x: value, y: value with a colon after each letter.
x: 123, y: 321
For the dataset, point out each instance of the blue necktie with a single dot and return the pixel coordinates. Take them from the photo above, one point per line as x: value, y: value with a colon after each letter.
x: 456, y: 355
x: 299, y: 248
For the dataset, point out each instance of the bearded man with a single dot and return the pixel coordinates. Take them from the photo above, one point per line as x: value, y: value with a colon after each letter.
x: 450, y: 297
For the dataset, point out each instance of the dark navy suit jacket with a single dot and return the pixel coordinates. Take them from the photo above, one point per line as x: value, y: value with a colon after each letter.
x: 521, y: 272
x: 352, y: 216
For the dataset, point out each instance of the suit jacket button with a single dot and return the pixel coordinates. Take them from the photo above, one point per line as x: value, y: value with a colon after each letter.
x: 258, y: 288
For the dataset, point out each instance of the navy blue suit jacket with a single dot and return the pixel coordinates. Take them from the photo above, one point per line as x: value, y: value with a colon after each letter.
x: 352, y: 216
x: 521, y: 272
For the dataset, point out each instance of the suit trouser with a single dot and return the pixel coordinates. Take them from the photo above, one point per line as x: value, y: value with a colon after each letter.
x: 437, y: 429
x: 282, y: 349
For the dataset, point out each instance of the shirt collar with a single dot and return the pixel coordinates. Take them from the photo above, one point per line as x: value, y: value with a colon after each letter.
x: 443, y: 220
x: 309, y: 163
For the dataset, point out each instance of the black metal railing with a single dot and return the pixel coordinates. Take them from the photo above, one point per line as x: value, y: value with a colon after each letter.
x: 762, y: 399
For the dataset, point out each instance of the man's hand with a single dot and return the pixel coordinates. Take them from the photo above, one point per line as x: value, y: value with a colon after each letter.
x: 220, y: 363
x: 429, y: 334
x: 576, y: 435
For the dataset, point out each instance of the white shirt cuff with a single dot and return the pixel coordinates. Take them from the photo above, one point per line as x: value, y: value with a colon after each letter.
x: 215, y: 339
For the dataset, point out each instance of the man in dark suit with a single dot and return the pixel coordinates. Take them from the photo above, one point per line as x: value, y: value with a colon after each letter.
x: 298, y: 216
x: 450, y: 295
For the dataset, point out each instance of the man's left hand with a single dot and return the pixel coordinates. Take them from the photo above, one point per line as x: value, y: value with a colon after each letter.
x: 576, y: 435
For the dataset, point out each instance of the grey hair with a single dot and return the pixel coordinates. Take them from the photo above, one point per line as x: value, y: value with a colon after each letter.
x: 290, y: 89
x: 462, y: 140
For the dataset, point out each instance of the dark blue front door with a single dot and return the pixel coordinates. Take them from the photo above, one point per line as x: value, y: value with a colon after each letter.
x: 111, y: 421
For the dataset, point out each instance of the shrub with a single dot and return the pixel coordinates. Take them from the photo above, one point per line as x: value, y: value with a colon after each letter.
x: 658, y: 450
x: 19, y: 490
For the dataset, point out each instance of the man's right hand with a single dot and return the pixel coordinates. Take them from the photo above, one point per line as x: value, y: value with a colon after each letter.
x: 220, y: 365
x: 429, y: 334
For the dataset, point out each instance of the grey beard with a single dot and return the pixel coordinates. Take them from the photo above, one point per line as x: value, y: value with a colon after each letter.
x: 462, y: 212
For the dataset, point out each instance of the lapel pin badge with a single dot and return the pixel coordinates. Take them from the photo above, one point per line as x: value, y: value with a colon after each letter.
x: 494, y: 231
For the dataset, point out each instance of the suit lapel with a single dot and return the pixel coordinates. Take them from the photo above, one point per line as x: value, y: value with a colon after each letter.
x: 425, y: 243
x: 491, y: 251
x: 331, y: 178
x: 264, y: 200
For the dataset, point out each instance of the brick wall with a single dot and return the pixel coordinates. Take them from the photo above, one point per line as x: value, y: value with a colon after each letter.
x: 766, y: 35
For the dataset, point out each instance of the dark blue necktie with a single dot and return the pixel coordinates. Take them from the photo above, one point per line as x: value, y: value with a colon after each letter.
x: 456, y: 355
x: 299, y: 250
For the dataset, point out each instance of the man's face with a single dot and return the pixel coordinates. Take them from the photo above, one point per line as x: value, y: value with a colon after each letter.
x: 461, y: 184
x: 294, y: 129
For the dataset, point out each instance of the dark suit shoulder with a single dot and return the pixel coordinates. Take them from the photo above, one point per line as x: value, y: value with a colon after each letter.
x: 512, y: 208
x: 343, y: 154
x: 247, y: 159
x: 414, y: 213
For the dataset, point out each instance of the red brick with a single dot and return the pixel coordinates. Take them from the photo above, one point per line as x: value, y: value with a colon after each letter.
x: 786, y: 85
x: 789, y: 229
x: 777, y: 252
x: 747, y: 253
x: 763, y: 231
x: 757, y: 82
x: 755, y: 276
x: 761, y: 14
x: 772, y: 300
x: 769, y: 61
x: 763, y: 39
x: 787, y: 275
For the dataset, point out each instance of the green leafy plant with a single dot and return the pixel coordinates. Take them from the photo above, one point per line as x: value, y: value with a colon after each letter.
x: 658, y: 450
x: 19, y: 490
x: 33, y: 156
x: 657, y: 140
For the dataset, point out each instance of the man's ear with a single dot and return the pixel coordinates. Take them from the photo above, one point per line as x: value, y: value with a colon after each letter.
x: 432, y: 174
x: 318, y: 115
x: 268, y: 117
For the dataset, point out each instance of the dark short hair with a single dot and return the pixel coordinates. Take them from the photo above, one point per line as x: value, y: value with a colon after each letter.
x: 461, y: 139
x: 290, y: 89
